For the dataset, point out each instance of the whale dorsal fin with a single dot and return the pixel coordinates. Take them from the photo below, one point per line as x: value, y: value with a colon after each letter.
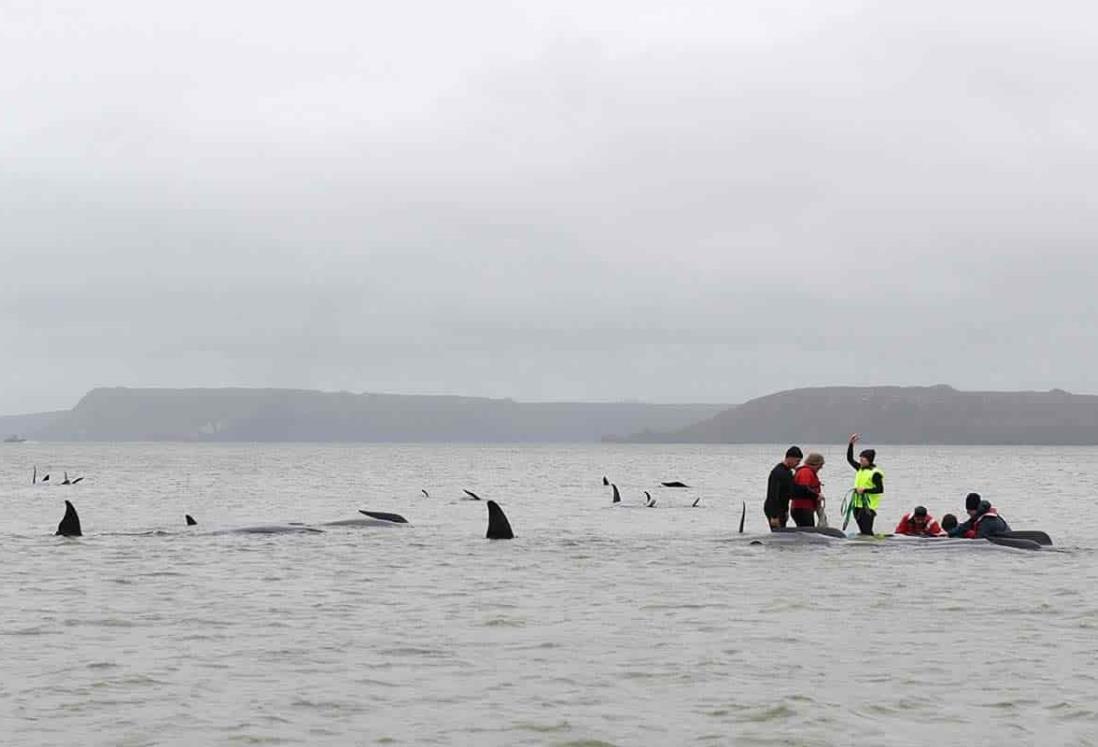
x: 70, y: 524
x: 472, y: 495
x: 395, y: 518
x: 498, y: 526
x: 190, y: 520
x: 617, y: 495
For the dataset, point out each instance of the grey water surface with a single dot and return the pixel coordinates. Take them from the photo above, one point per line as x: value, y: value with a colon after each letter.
x: 596, y: 625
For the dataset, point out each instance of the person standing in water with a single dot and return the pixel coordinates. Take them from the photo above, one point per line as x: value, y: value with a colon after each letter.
x: 806, y: 491
x: 868, y: 486
x: 779, y: 489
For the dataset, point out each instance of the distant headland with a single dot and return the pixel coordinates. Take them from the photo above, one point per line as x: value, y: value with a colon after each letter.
x: 933, y: 415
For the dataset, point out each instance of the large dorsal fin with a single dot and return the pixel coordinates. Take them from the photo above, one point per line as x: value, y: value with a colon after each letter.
x: 498, y: 526
x: 395, y: 518
x: 70, y: 524
x: 617, y: 495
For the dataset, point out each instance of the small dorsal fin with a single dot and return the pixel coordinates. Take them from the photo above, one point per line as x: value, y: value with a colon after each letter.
x: 395, y: 518
x: 190, y: 520
x: 472, y: 495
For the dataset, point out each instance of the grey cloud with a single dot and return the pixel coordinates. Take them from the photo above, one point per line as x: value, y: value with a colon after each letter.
x: 593, y: 201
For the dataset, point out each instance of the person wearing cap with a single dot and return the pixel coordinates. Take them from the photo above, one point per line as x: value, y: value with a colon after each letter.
x: 806, y: 491
x: 868, y: 486
x: 983, y: 522
x: 779, y: 489
x: 919, y: 523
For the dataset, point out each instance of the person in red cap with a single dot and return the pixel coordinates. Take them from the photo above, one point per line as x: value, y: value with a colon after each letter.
x: 919, y: 523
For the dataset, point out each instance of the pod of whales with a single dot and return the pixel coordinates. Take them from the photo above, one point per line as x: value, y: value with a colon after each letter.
x: 46, y: 478
x: 498, y: 526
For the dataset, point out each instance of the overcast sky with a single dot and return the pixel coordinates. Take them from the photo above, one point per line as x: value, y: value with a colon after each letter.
x: 690, y: 201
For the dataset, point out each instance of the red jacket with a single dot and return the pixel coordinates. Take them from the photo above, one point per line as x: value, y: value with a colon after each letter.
x: 930, y: 529
x: 805, y: 483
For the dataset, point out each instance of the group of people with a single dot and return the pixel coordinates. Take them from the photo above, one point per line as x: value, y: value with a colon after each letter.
x: 794, y: 491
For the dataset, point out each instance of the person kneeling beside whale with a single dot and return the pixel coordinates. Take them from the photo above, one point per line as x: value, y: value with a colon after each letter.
x: 919, y: 523
x: 984, y: 520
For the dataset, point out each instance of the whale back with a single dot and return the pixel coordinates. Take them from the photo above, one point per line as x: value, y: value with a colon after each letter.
x: 498, y: 526
x: 70, y: 523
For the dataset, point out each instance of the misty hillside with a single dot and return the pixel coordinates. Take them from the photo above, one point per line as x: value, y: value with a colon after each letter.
x: 120, y: 414
x: 28, y: 426
x: 937, y: 414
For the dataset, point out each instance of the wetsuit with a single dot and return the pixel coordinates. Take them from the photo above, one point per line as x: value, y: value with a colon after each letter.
x: 863, y: 513
x: 806, y: 496
x: 779, y: 489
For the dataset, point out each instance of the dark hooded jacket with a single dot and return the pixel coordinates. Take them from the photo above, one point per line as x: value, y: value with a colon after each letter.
x: 986, y: 523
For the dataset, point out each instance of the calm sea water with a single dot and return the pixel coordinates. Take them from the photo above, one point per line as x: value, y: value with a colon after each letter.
x: 597, y: 624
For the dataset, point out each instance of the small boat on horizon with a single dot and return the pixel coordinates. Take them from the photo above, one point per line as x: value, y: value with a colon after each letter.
x: 14, y: 439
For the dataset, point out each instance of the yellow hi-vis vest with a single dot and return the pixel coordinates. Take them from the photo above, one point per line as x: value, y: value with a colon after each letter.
x: 863, y: 478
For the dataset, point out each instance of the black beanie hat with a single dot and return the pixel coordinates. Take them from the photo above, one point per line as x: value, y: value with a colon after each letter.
x: 793, y: 451
x: 972, y: 502
x: 870, y: 454
x: 919, y: 511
